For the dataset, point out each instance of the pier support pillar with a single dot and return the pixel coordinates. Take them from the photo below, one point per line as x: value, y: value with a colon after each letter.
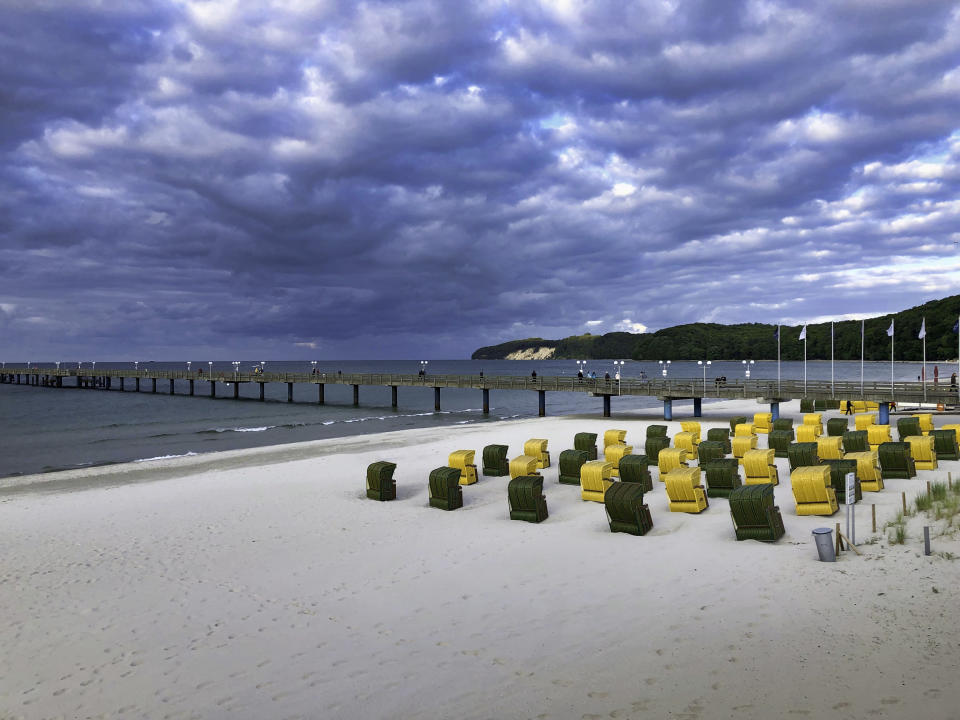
x: 393, y: 396
x: 171, y: 386
x: 320, y: 394
x: 109, y: 383
x: 236, y: 391
x: 289, y: 392
x: 668, y: 409
x: 136, y: 384
x: 606, y: 406
x: 191, y: 387
x: 154, y: 384
x: 213, y: 388
x: 774, y: 410
x: 356, y: 395
x: 123, y: 384
x: 698, y: 407
x: 60, y: 381
x: 486, y: 401
x: 542, y: 404
x: 883, y: 413
x: 261, y: 391
x: 18, y: 378
x: 436, y: 399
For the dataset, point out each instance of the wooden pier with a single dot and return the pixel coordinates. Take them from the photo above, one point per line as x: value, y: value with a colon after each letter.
x: 667, y: 390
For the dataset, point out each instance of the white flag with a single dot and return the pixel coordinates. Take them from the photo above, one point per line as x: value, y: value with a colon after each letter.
x: 923, y: 330
x: 803, y: 333
x: 890, y: 329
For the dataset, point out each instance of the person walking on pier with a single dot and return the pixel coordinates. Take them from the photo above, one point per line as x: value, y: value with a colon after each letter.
x: 848, y: 408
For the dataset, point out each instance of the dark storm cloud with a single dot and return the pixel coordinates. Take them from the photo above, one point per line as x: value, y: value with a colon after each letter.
x: 407, y: 178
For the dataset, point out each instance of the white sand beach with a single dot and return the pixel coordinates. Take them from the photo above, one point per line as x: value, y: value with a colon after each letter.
x: 263, y: 584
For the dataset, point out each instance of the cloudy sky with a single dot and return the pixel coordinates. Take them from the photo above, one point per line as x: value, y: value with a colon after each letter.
x: 331, y: 179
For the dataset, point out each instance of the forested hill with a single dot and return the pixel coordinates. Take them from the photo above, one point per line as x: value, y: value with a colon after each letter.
x: 757, y: 341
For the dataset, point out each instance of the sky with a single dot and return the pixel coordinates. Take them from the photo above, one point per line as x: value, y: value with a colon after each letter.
x: 288, y: 179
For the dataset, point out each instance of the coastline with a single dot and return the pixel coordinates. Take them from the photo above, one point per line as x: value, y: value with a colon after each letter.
x: 262, y: 583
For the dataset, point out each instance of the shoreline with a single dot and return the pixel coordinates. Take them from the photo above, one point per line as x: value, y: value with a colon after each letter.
x: 263, y: 583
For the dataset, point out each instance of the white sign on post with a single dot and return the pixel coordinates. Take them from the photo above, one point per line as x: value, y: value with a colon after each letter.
x: 851, y: 495
x: 849, y: 500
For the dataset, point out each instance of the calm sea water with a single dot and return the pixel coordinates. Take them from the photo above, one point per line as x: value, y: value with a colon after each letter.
x: 46, y: 429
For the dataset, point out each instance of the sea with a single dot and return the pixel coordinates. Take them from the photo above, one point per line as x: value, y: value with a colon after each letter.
x: 50, y: 429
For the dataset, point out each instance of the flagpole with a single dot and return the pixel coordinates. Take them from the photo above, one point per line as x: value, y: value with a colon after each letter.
x: 804, y: 362
x: 831, y: 359
x: 861, y: 358
x: 924, y: 326
x: 958, y: 356
x: 779, y: 392
x: 891, y: 354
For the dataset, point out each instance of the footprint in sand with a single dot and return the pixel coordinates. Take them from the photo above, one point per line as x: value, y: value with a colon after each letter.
x: 597, y: 695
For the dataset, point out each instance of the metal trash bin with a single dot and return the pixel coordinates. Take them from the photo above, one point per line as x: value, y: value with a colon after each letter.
x: 825, y: 548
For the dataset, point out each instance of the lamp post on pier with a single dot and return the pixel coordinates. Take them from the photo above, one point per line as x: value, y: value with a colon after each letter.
x: 617, y: 366
x: 663, y: 367
x: 704, y: 365
x: 314, y: 363
x: 746, y: 367
x: 210, y: 371
x: 188, y: 365
x: 581, y: 367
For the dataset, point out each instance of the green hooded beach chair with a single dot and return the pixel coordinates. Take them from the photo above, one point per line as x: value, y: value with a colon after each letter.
x: 721, y: 436
x: 738, y: 420
x: 626, y: 511
x: 587, y: 442
x: 653, y: 447
x: 380, y: 482
x: 495, y: 463
x: 722, y: 476
x: 945, y: 444
x: 855, y: 441
x: 526, y: 499
x: 782, y: 424
x: 709, y: 450
x: 755, y: 517
x: 656, y: 431
x: 907, y: 426
x: 838, y: 479
x: 806, y: 405
x: 570, y: 463
x: 836, y: 427
x: 445, y: 492
x: 826, y: 405
x: 801, y: 454
x: 636, y: 469
x: 779, y: 441
x: 896, y: 462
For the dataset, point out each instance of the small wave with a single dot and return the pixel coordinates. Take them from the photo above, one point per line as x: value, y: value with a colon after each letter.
x: 237, y: 429
x: 165, y: 457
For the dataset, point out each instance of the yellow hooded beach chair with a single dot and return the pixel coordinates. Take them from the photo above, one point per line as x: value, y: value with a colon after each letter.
x: 671, y: 459
x: 762, y: 422
x: 759, y: 466
x: 830, y: 447
x: 523, y: 465
x: 808, y: 433
x: 688, y: 441
x: 614, y: 437
x: 868, y: 470
x: 595, y: 479
x: 923, y: 452
x: 537, y: 447
x: 684, y: 490
x: 462, y: 460
x: 864, y: 420
x: 877, y: 434
x: 613, y: 454
x: 926, y: 422
x: 813, y: 490
x: 692, y: 427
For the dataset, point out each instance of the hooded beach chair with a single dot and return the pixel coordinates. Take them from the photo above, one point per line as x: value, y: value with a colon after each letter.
x: 537, y: 447
x: 742, y: 444
x: 877, y: 434
x: 945, y: 444
x: 571, y: 461
x: 463, y: 461
x: 838, y: 478
x: 523, y: 465
x: 687, y: 441
x: 815, y: 419
x: 955, y: 428
x: 864, y: 420
x: 617, y: 437
x: 807, y: 433
x: 779, y: 441
x: 896, y: 461
x: 782, y: 424
x: 380, y: 482
x: 759, y: 467
x: 626, y: 511
x: 801, y: 454
x: 656, y: 431
x: 806, y: 405
x: 922, y: 451
x: 859, y: 406
x: 709, y: 450
x: 670, y: 459
x: 855, y: 441
x: 720, y: 435
x: 587, y: 442
x: 653, y: 447
x: 495, y: 462
x: 722, y: 476
x: 684, y: 490
x: 926, y: 422
x: 692, y: 427
x: 868, y: 470
x: 595, y: 479
x: 636, y: 469
x: 829, y: 447
x: 445, y: 492
x: 907, y: 426
x: 738, y: 420
x: 613, y: 453
x: 526, y: 500
x: 754, y: 514
x: 836, y: 427
x: 813, y: 491
x: 762, y: 423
